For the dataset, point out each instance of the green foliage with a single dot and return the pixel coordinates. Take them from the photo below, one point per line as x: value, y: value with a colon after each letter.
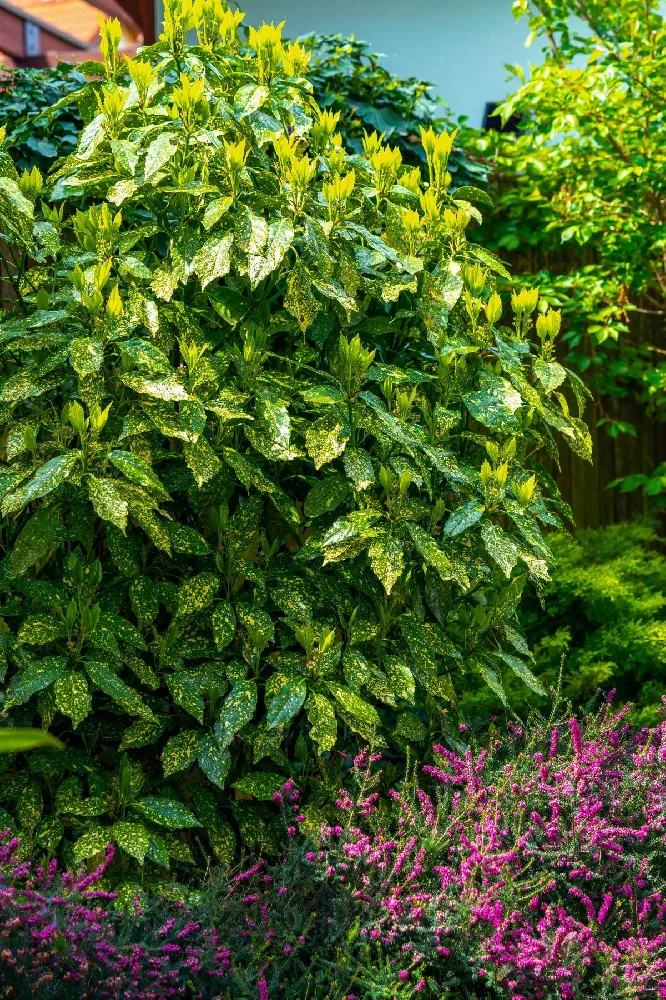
x: 35, y: 139
x: 605, y: 613
x: 267, y: 437
x: 348, y: 78
x: 582, y: 188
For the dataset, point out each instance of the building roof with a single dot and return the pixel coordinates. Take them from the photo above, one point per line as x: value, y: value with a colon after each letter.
x: 73, y: 20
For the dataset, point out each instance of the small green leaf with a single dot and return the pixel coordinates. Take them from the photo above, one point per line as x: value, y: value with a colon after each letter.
x: 287, y: 702
x: 72, y: 696
x: 261, y: 784
x: 51, y: 475
x: 238, y: 709
x: 197, y: 593
x: 213, y: 761
x: 324, y: 728
x: 35, y: 540
x: 138, y: 471
x: 224, y: 624
x: 92, y: 842
x: 180, y: 751
x: 167, y: 812
x: 133, y: 838
x: 356, y: 706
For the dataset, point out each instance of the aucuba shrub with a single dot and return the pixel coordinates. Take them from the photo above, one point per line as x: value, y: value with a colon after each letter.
x: 270, y: 470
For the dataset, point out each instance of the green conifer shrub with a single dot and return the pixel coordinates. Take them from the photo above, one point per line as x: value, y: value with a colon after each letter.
x: 267, y: 439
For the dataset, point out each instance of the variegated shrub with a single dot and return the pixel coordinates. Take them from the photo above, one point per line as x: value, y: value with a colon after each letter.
x: 270, y: 476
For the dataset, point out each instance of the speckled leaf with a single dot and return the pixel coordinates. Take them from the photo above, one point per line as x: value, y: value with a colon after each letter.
x: 429, y: 550
x: 521, y: 670
x: 34, y: 678
x: 122, y: 551
x: 138, y: 471
x: 72, y: 696
x: 549, y: 373
x: 50, y: 832
x: 167, y: 387
x: 327, y: 438
x: 180, y: 751
x: 258, y: 623
x: 35, y: 540
x: 158, y: 851
x: 48, y: 478
x: 261, y: 784
x: 186, y: 691
x: 251, y: 476
x: 108, y: 501
x: 355, y: 668
x: 87, y: 355
x: 410, y: 727
x: 37, y: 630
x: 500, y: 547
x: 197, y: 593
x: 491, y: 678
x: 142, y: 733
x: 287, y: 702
x: 326, y: 495
x: 201, y: 460
x: 495, y: 404
x: 213, y: 260
x: 463, y: 518
x: 387, y: 560
x: 29, y: 806
x: 167, y: 812
x: 92, y: 842
x: 133, y: 838
x: 280, y: 236
x: 187, y: 540
x: 222, y: 839
x: 324, y: 728
x: 356, y: 706
x: 143, y: 596
x: 224, y: 624
x: 358, y: 467
x: 115, y: 688
x: 238, y: 709
x: 400, y: 678
x: 349, y: 534
x: 214, y: 762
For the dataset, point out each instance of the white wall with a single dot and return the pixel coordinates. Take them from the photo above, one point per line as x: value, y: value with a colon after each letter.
x: 460, y: 46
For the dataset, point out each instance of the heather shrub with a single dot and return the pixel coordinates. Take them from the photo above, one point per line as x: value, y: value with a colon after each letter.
x: 532, y: 867
x: 270, y: 477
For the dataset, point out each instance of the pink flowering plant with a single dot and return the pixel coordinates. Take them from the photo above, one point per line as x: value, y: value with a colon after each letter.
x: 531, y: 868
